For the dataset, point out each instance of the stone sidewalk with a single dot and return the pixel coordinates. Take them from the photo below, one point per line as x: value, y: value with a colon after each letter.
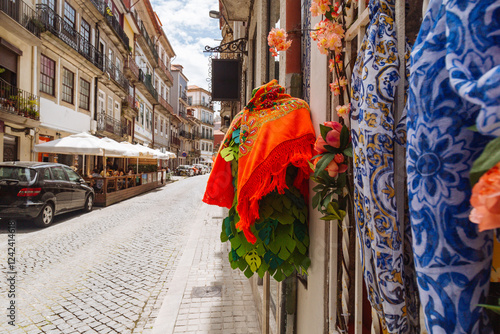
x: 205, y: 294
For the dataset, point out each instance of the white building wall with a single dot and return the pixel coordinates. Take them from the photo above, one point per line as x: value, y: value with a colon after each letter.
x: 58, y: 117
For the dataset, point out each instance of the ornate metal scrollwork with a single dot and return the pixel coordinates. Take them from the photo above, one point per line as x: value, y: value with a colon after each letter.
x: 236, y: 46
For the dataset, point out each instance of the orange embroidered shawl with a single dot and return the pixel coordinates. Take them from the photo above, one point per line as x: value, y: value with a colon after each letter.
x: 275, y: 131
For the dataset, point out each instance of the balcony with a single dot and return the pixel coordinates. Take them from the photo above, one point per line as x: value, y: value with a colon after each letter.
x: 15, y: 101
x: 115, y: 74
x: 109, y: 124
x: 207, y: 121
x: 146, y: 80
x: 184, y: 97
x: 131, y: 69
x: 128, y: 107
x: 165, y: 104
x: 165, y: 71
x: 207, y: 105
x: 149, y: 43
x: 112, y: 22
x: 22, y: 14
x: 175, y: 141
x: 55, y: 24
x: 126, y: 130
x: 185, y: 134
x: 196, y: 135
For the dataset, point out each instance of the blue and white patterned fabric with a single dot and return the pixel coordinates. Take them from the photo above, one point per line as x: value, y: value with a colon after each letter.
x: 454, y: 84
x: 385, y: 240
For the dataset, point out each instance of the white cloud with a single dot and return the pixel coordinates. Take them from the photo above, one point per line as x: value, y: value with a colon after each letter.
x: 189, y: 28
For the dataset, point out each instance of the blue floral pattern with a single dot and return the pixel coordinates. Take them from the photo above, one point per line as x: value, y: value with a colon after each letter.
x: 385, y: 238
x: 454, y: 84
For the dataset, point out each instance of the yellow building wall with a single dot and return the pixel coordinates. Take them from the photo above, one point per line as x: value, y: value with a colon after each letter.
x: 129, y: 32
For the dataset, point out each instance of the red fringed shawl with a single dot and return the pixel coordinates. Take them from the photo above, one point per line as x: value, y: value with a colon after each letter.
x: 275, y: 131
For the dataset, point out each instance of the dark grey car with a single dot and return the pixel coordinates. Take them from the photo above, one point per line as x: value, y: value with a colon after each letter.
x: 41, y: 190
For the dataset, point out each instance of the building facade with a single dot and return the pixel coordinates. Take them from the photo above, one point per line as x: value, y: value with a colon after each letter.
x: 82, y: 66
x: 200, y: 103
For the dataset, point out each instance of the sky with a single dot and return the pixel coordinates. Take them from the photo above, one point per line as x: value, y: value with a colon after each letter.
x: 189, y: 28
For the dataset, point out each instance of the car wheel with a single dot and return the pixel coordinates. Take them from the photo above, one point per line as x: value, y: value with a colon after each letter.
x: 89, y: 203
x: 46, y: 216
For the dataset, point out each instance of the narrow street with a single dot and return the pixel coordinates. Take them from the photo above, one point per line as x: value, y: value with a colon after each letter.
x: 102, y: 272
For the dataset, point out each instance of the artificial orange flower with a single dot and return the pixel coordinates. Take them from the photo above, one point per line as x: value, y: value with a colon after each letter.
x: 485, y: 200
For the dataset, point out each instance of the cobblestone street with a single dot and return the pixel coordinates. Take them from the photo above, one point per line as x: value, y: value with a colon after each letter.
x: 103, y: 272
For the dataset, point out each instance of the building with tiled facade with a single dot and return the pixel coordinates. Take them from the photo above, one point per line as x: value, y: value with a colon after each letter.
x: 201, y: 106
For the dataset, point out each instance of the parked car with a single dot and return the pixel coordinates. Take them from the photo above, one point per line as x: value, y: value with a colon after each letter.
x: 39, y: 190
x: 186, y: 170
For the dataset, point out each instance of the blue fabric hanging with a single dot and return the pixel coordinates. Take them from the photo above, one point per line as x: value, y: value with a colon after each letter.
x: 454, y: 84
x: 385, y: 239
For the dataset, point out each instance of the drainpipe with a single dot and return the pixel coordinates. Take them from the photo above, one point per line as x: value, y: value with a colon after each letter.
x: 293, y: 84
x: 153, y: 126
x: 293, y: 73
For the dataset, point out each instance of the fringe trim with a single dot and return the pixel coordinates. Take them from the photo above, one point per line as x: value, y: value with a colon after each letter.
x: 271, y: 175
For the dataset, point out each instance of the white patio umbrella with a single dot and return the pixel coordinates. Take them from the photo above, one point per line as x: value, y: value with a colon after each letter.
x: 81, y: 143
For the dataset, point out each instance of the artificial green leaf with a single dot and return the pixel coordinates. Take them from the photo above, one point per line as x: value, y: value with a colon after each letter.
x: 278, y: 276
x: 323, y: 163
x: 241, y: 251
x: 288, y: 270
x: 287, y: 249
x: 301, y: 247
x: 223, y: 237
x: 344, y: 137
x: 235, y: 242
x: 300, y: 230
x: 265, y: 234
x: 473, y: 128
x: 287, y: 202
x: 234, y: 265
x: 262, y: 269
x: 348, y: 151
x: 324, y: 130
x: 489, y: 158
x: 272, y: 260
x: 315, y: 200
x: 242, y: 264
x: 253, y: 260
x: 266, y: 209
x: 329, y: 217
x: 494, y: 308
x: 248, y: 272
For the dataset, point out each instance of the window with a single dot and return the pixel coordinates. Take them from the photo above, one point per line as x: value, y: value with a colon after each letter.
x: 47, y: 75
x: 117, y: 110
x: 68, y: 85
x: 71, y: 174
x: 58, y: 174
x: 85, y: 32
x: 84, y: 94
x: 110, y: 106
x: 69, y: 17
x: 190, y: 100
x: 46, y: 174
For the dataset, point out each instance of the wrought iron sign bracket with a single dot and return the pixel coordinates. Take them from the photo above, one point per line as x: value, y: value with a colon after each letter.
x: 236, y: 46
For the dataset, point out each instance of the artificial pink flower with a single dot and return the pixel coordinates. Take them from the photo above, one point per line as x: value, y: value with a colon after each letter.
x: 334, y: 125
x: 277, y: 41
x: 342, y: 168
x: 333, y: 138
x: 486, y: 200
x: 339, y: 158
x: 319, y: 146
x: 332, y: 169
x: 343, y: 111
x: 334, y: 88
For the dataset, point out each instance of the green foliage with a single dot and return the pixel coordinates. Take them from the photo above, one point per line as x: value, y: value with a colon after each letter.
x: 489, y: 158
x: 143, y: 168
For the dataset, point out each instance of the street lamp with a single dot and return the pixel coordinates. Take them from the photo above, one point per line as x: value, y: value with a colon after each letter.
x: 217, y: 15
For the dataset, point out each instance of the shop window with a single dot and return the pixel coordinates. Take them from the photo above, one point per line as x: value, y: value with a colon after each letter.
x: 68, y: 86
x: 84, y: 94
x: 47, y: 75
x: 10, y: 148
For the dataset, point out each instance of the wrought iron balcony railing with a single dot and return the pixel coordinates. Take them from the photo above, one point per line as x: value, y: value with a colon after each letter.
x: 115, y: 74
x: 56, y: 25
x: 112, y: 21
x: 18, y: 102
x: 109, y: 123
x: 148, y: 40
x: 206, y: 136
x: 175, y: 141
x: 126, y: 130
x: 184, y: 96
x: 146, y: 79
x: 166, y: 71
x: 201, y: 103
x: 22, y: 14
x: 132, y: 66
x: 185, y: 134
